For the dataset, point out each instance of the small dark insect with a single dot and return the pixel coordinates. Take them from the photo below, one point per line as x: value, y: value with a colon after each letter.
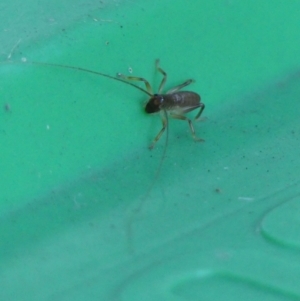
x: 174, y: 102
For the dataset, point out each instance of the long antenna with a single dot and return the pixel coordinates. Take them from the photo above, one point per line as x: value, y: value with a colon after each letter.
x: 138, y: 209
x: 90, y: 71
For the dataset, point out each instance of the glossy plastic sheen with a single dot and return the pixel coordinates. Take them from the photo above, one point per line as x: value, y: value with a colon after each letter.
x: 219, y: 221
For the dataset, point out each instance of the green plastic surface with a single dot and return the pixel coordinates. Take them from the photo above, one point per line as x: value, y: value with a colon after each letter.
x: 84, y: 214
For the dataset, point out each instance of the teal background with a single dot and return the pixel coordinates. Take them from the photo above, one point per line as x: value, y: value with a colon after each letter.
x: 219, y: 222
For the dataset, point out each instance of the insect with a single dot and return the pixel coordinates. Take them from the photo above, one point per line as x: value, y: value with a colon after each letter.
x: 174, y: 102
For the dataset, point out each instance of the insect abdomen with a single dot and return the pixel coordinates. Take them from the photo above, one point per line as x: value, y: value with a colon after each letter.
x: 181, y: 99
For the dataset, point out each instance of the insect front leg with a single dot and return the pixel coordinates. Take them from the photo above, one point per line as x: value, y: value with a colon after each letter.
x: 182, y: 117
x: 164, y: 119
x: 141, y: 79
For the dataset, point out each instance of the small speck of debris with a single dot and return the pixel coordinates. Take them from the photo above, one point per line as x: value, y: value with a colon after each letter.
x: 107, y: 43
x: 245, y: 198
x: 7, y: 107
x: 48, y: 127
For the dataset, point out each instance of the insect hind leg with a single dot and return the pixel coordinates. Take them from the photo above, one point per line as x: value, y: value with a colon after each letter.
x: 202, y: 107
x: 182, y: 117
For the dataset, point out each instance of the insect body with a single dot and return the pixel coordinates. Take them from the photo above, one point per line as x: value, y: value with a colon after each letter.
x: 176, y: 103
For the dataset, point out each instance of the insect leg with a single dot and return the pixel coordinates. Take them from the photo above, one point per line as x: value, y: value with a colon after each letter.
x: 162, y: 84
x: 165, y: 124
x: 202, y: 107
x: 182, y: 117
x: 179, y: 87
x: 133, y: 78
